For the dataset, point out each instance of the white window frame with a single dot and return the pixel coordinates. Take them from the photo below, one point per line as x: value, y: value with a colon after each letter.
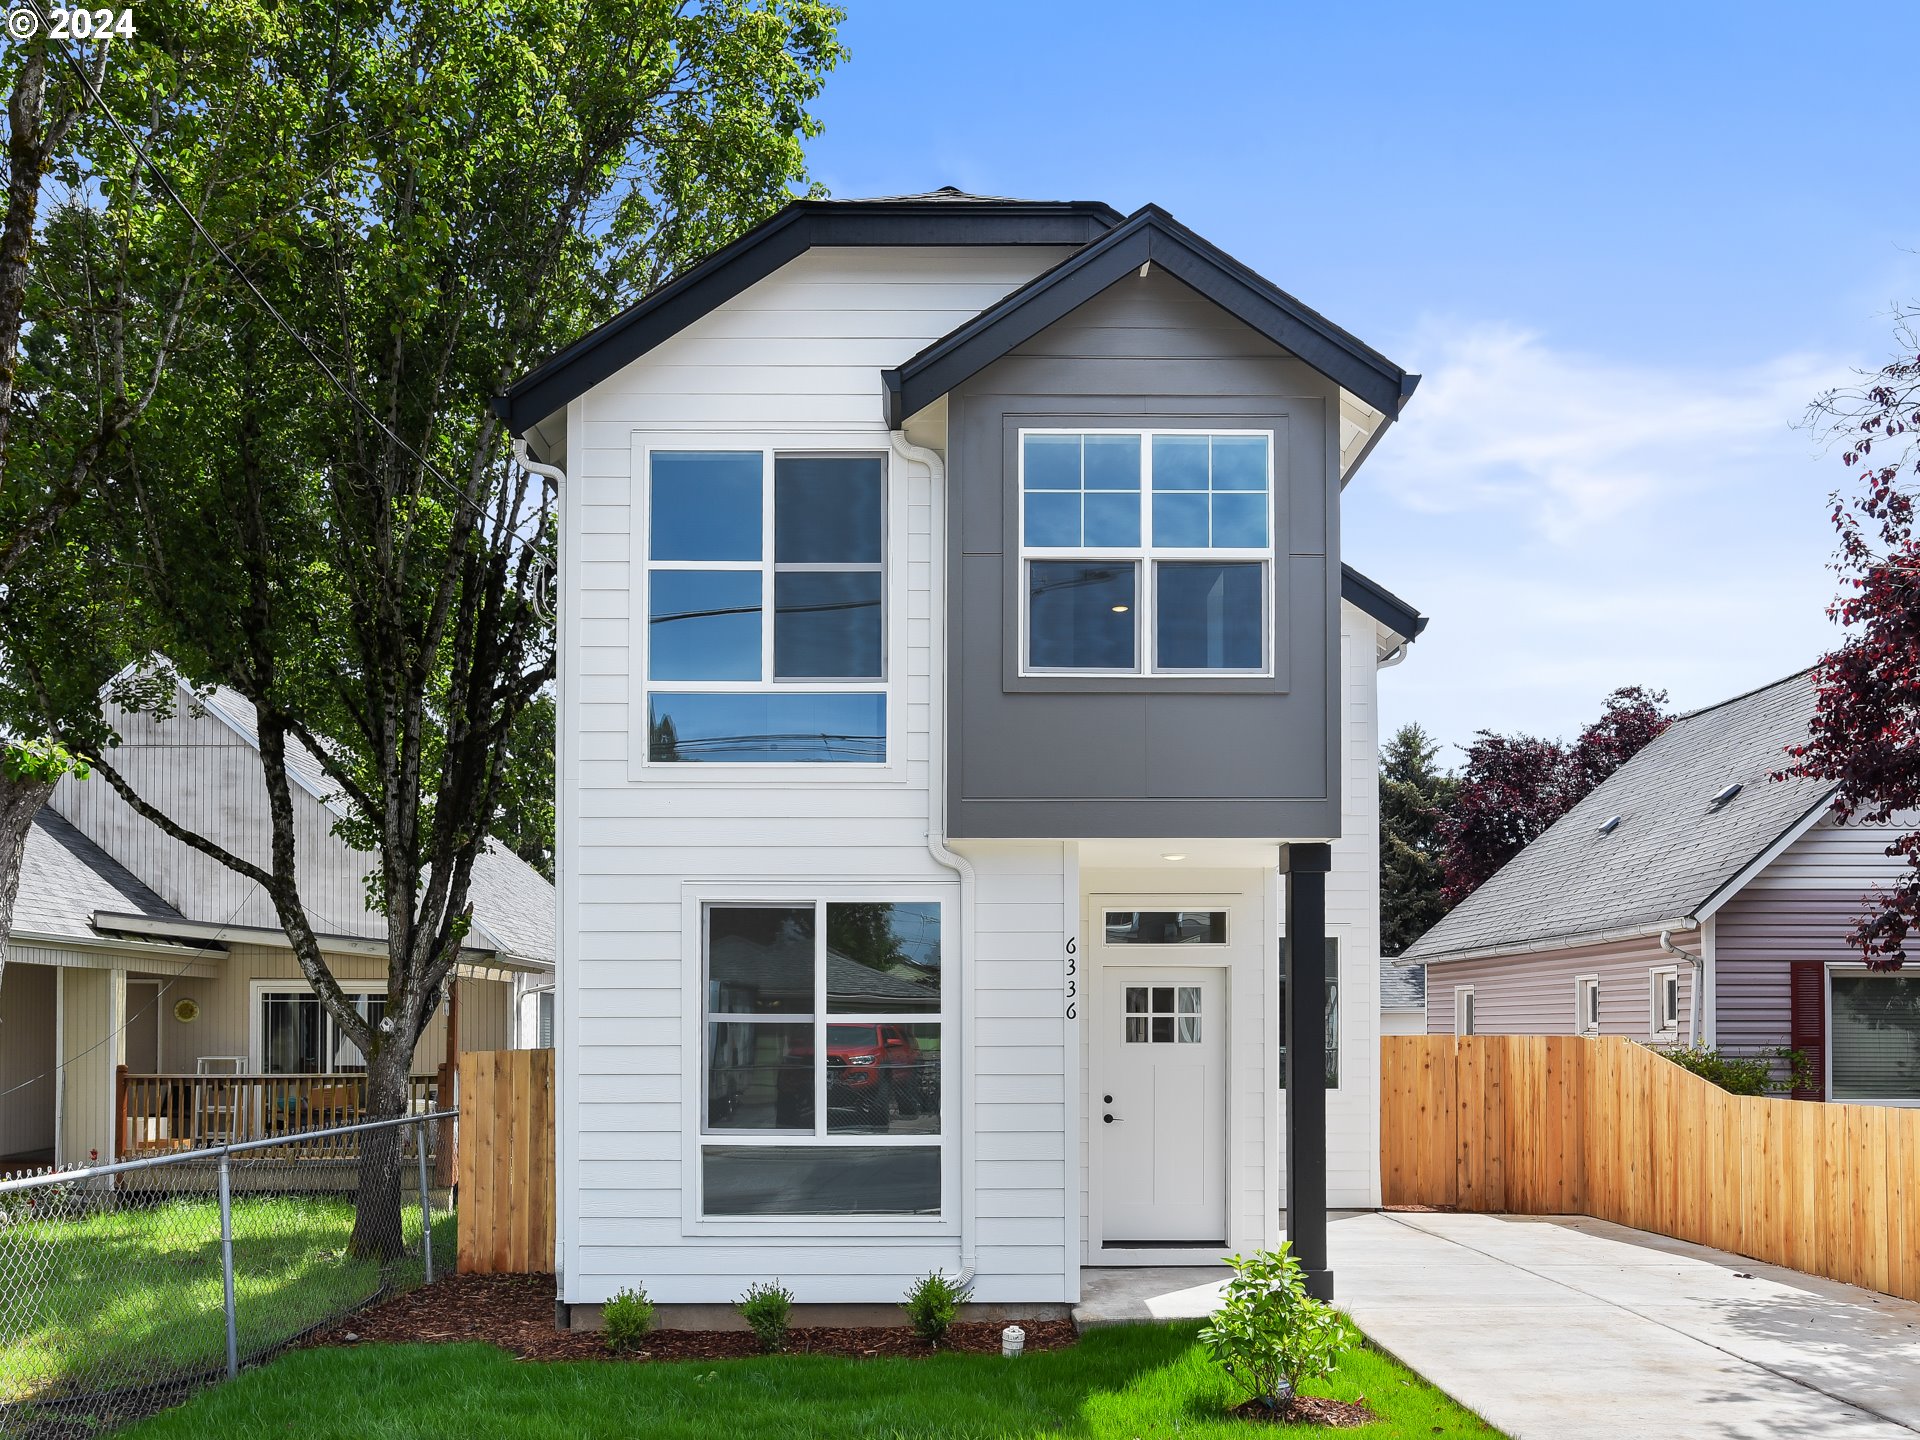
x: 696, y: 901
x: 1586, y: 1004
x: 1463, y: 1011
x: 1826, y: 1029
x: 770, y: 450
x: 1659, y: 1027
x: 1145, y: 556
x: 297, y: 985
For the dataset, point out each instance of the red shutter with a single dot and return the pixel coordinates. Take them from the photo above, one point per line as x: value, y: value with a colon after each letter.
x: 1809, y: 1025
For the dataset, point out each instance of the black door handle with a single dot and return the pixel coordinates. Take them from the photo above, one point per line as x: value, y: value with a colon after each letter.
x: 1107, y: 1118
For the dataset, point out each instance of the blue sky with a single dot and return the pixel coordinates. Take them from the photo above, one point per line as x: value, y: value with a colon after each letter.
x: 1625, y: 245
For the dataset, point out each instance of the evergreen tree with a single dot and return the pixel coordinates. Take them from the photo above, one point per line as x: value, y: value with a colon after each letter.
x: 1414, y: 794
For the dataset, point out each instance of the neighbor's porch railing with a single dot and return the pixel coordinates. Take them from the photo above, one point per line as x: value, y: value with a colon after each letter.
x: 159, y: 1114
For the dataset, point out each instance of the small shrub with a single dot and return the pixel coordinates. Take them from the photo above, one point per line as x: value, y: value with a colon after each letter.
x: 1745, y: 1074
x: 625, y: 1319
x: 1269, y: 1335
x: 767, y: 1308
x: 931, y: 1305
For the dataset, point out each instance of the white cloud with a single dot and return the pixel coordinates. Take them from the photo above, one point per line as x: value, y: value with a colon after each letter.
x: 1505, y: 420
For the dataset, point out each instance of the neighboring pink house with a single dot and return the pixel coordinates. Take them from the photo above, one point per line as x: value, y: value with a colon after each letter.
x: 1692, y: 899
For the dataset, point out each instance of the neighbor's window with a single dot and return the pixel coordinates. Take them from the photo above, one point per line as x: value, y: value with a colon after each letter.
x: 1463, y: 1010
x: 1664, y: 1001
x: 1875, y: 1039
x: 765, y: 608
x: 299, y: 1037
x: 1333, y: 1013
x: 822, y: 1059
x: 1146, y: 552
x: 1586, y: 1005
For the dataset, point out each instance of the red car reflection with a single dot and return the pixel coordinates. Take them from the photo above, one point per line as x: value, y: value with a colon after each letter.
x: 871, y: 1071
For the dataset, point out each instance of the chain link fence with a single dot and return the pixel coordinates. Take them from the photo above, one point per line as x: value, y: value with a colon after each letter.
x: 124, y: 1288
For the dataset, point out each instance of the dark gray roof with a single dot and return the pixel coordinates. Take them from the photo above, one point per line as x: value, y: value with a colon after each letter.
x: 1402, y: 987
x: 512, y: 902
x: 1370, y: 597
x: 65, y: 877
x: 1673, y: 850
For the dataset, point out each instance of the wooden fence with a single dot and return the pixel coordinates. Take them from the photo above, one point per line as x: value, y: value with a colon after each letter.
x: 506, y: 1162
x: 1564, y: 1125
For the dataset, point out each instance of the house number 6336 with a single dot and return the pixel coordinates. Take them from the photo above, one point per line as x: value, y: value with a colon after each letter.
x: 1073, y: 984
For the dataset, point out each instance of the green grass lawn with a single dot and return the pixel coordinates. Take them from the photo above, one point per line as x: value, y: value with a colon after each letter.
x: 1136, y: 1381
x: 117, y: 1298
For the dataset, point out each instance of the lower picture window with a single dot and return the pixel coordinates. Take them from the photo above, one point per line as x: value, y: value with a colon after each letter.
x: 823, y: 1035
x: 762, y: 729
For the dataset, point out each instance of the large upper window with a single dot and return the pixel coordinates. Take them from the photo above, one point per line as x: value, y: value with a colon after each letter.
x: 1146, y: 552
x: 822, y: 1059
x: 765, y: 608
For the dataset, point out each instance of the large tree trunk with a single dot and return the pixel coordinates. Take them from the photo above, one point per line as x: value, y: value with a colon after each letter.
x: 377, y: 1231
x: 20, y: 800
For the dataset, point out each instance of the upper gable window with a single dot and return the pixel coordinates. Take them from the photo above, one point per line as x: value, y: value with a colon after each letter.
x: 1146, y: 552
x: 765, y: 608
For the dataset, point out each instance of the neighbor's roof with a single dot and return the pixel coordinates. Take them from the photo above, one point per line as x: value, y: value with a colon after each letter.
x: 1674, y: 851
x: 1105, y: 245
x: 513, y: 907
x: 1402, y: 987
x: 65, y: 878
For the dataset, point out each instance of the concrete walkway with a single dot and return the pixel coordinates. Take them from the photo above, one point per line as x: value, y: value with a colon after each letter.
x: 1576, y: 1329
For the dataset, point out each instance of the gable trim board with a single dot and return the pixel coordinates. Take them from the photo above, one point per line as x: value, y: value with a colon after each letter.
x: 796, y: 229
x: 1370, y: 597
x: 1149, y: 236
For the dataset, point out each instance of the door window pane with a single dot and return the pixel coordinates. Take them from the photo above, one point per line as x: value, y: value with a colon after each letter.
x: 1208, y: 616
x: 883, y: 1079
x: 806, y: 1180
x: 290, y: 1033
x: 883, y: 959
x: 760, y: 960
x: 768, y: 728
x: 1080, y: 615
x: 1166, y: 927
x: 759, y: 1076
x: 705, y: 505
x: 703, y: 624
x: 1876, y: 1037
x: 826, y: 624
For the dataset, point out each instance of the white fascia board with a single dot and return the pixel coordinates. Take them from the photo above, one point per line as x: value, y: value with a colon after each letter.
x: 263, y: 935
x: 1766, y: 857
x: 194, y: 960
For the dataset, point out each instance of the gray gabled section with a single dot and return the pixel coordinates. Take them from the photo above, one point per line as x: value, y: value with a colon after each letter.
x: 1148, y: 236
x: 1674, y: 849
x: 944, y: 217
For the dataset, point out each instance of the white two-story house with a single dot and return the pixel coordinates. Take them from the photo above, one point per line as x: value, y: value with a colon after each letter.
x: 961, y: 697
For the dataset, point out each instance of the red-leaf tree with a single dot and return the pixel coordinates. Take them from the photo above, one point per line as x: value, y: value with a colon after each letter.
x: 1865, y: 735
x: 1514, y: 786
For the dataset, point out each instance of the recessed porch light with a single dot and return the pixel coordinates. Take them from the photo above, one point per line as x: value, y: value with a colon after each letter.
x: 1119, y: 609
x: 1173, y: 856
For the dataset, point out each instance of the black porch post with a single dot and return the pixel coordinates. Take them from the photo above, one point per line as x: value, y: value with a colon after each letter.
x: 1305, y: 1027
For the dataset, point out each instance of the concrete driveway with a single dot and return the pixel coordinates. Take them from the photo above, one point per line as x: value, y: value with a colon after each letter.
x: 1565, y: 1328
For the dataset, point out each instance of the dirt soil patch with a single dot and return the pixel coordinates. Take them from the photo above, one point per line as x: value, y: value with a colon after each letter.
x: 1309, y: 1410
x: 515, y: 1312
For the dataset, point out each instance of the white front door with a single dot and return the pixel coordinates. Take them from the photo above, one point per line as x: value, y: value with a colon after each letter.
x: 1159, y: 1108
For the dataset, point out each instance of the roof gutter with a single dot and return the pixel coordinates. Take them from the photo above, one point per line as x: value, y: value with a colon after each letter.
x: 206, y: 953
x: 160, y: 928
x: 1554, y: 942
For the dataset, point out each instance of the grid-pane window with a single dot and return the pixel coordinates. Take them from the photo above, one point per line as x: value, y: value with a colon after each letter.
x: 823, y: 1033
x: 1146, y: 552
x: 766, y: 623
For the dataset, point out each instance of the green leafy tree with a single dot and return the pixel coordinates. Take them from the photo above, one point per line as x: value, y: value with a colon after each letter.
x: 324, y: 514
x: 1415, y: 793
x: 525, y: 821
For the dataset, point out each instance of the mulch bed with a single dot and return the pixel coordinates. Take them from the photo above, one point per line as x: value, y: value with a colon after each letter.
x: 1309, y: 1410
x: 515, y: 1312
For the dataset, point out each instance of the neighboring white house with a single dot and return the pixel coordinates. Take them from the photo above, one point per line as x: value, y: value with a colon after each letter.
x: 959, y: 688
x: 132, y: 952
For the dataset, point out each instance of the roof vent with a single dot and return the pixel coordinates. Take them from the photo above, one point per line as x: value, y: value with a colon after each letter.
x: 1722, y: 796
x: 1607, y: 827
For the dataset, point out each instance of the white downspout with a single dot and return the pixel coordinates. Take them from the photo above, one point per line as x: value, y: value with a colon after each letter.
x: 1695, y: 1002
x: 561, y: 880
x: 937, y: 842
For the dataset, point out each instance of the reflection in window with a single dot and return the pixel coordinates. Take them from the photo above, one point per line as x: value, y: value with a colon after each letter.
x: 1166, y: 927
x: 760, y: 960
x: 767, y: 727
x: 705, y: 505
x: 703, y: 625
x: 1162, y: 1015
x: 801, y: 1180
x: 1333, y: 1013
x: 1208, y: 616
x: 883, y: 958
x: 1080, y: 616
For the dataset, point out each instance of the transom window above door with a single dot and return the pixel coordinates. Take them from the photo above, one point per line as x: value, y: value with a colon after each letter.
x: 766, y: 608
x: 1146, y: 552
